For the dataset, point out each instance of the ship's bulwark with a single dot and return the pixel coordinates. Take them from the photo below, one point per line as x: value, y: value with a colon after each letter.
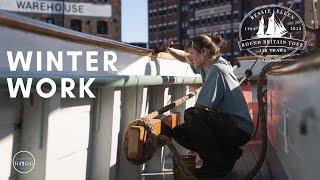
x: 80, y: 138
x: 293, y: 120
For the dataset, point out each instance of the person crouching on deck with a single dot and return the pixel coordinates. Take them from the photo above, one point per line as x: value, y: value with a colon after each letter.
x: 220, y: 122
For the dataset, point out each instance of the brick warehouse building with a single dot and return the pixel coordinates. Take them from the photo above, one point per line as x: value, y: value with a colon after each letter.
x: 97, y: 17
x: 181, y: 20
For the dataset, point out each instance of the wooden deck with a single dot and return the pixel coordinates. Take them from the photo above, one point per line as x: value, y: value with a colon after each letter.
x: 243, y: 166
x: 247, y: 161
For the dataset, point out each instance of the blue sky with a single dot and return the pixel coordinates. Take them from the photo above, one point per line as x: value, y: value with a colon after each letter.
x: 134, y: 20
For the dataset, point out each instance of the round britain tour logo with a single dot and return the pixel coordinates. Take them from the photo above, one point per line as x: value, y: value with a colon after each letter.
x: 23, y: 162
x: 272, y: 32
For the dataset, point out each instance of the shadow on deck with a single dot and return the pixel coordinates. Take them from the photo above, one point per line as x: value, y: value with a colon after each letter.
x: 248, y: 160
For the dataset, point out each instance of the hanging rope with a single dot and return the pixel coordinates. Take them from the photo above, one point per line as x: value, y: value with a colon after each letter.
x: 262, y: 114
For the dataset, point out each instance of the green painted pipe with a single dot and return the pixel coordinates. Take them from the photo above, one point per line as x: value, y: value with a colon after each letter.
x: 101, y: 79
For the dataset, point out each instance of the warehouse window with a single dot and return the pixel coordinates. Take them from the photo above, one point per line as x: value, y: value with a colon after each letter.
x: 184, y: 8
x: 164, y: 12
x: 216, y: 19
x: 164, y: 27
x: 228, y: 17
x: 76, y: 25
x: 49, y: 20
x: 203, y: 21
x: 298, y: 5
x: 236, y: 15
x: 102, y: 27
x: 196, y: 22
x: 221, y: 18
x: 228, y: 35
x: 174, y: 10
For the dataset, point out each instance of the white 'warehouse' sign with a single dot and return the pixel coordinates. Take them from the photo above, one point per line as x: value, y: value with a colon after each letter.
x: 57, y: 7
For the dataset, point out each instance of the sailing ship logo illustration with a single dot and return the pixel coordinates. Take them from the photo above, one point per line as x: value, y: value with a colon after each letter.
x: 275, y: 28
x: 272, y: 32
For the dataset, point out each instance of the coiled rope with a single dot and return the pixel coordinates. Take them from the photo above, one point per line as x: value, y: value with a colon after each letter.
x: 154, y: 142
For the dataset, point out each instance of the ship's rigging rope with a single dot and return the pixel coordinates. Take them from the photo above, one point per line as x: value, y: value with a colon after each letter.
x: 262, y: 116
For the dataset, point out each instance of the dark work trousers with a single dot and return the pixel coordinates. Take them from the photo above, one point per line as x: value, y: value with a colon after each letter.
x: 215, y: 137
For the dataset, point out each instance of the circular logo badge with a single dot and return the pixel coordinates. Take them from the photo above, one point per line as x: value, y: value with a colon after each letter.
x: 272, y: 32
x: 23, y: 162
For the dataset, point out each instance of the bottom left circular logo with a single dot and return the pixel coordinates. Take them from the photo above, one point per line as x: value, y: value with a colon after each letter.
x: 23, y: 162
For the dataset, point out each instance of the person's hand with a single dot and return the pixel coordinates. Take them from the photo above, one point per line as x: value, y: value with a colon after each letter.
x: 168, y: 45
x: 193, y: 87
x: 176, y: 53
x: 164, y: 48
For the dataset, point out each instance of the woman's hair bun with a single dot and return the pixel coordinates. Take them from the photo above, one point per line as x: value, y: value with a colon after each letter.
x: 218, y: 39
